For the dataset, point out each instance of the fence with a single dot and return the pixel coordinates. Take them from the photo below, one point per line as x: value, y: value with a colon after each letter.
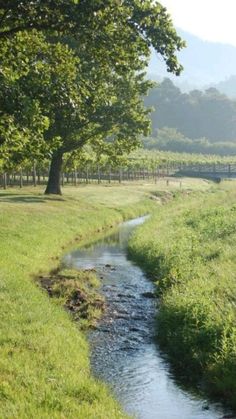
x: 98, y: 175
x: 89, y: 175
x: 210, y: 171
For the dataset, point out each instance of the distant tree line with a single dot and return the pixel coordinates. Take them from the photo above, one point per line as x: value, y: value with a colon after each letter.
x: 169, y: 139
x: 207, y: 115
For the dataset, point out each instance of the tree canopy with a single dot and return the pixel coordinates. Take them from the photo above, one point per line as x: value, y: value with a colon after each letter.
x: 73, y: 72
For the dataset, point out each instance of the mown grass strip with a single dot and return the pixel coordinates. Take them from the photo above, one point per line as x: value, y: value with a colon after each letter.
x: 189, y: 249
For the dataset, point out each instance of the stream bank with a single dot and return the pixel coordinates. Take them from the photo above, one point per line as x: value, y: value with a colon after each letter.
x: 124, y: 353
x: 189, y: 251
x: 45, y: 369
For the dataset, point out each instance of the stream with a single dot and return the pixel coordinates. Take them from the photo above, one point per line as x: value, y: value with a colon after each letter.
x: 124, y: 353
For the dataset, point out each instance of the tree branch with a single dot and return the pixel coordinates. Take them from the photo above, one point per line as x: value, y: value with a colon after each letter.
x: 4, y: 16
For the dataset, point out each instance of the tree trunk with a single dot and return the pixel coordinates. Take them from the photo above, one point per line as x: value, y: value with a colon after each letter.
x: 54, y: 184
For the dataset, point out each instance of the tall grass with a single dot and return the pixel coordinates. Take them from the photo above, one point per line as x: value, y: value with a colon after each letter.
x: 189, y: 249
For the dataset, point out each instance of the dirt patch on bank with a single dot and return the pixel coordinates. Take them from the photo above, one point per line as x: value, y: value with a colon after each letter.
x: 77, y: 292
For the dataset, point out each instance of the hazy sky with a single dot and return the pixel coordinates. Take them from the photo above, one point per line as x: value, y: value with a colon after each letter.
x: 212, y: 20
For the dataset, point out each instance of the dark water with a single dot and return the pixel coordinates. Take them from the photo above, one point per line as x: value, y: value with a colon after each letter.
x: 123, y: 351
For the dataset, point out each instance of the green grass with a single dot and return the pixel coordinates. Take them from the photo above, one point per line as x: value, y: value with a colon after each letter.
x: 44, y: 357
x: 44, y: 363
x: 189, y: 248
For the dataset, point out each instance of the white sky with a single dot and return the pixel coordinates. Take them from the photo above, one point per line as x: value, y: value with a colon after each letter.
x: 212, y: 20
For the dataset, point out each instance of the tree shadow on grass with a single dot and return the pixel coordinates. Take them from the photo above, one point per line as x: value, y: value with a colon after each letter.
x: 27, y: 199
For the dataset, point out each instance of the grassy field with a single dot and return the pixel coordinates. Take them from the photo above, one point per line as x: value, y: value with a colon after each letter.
x: 44, y: 364
x: 189, y: 248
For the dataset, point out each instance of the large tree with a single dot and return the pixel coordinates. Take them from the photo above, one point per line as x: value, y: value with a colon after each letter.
x: 22, y: 121
x: 88, y: 74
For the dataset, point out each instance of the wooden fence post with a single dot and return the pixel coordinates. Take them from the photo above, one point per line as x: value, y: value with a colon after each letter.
x: 109, y: 178
x: 5, y: 181
x: 120, y: 175
x: 87, y: 175
x: 21, y: 178
x: 75, y: 177
x: 34, y: 175
x: 99, y: 175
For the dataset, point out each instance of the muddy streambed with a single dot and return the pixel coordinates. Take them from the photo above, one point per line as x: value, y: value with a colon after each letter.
x: 124, y: 353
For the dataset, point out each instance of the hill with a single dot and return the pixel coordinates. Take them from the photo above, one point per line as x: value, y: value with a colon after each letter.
x: 228, y: 86
x: 205, y: 64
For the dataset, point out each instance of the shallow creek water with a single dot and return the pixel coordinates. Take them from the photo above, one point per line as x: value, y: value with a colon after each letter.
x: 124, y: 353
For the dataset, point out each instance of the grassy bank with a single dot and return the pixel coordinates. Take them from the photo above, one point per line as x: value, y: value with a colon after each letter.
x: 44, y: 363
x: 189, y: 248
